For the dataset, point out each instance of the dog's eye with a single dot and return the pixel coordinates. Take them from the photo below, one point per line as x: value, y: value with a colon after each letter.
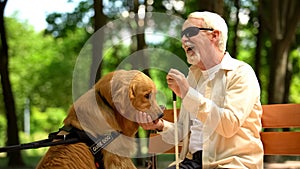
x: 147, y: 96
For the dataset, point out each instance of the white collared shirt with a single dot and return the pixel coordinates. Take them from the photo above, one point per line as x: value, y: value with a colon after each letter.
x: 230, y: 111
x: 196, y: 141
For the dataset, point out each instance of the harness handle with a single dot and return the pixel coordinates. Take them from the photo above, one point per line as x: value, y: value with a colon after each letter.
x: 41, y: 143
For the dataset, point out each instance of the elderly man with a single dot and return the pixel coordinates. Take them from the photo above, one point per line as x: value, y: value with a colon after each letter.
x: 220, y: 117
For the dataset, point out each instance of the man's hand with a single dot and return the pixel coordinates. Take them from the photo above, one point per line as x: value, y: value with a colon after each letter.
x: 177, y: 83
x: 146, y: 122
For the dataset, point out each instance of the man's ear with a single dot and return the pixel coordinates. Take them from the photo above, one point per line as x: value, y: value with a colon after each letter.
x: 131, y: 91
x: 216, y: 34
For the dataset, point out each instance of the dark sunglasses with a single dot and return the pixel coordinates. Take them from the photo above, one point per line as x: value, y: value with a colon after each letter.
x: 192, y: 31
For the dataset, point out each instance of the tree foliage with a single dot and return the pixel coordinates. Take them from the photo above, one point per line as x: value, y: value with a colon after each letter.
x: 42, y: 64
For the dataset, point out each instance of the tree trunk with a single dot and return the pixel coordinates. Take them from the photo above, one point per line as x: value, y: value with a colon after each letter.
x: 277, y: 72
x: 259, y: 38
x: 288, y: 81
x: 280, y: 18
x: 234, y: 52
x: 142, y: 60
x: 216, y: 6
x: 15, y: 158
x: 97, y: 40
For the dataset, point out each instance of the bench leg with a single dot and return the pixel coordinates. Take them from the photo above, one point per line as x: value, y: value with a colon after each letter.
x: 152, y: 164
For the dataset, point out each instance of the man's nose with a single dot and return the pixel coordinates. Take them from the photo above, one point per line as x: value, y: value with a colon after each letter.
x: 184, y: 39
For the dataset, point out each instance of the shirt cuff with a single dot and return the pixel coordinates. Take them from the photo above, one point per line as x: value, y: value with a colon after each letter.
x: 167, y: 125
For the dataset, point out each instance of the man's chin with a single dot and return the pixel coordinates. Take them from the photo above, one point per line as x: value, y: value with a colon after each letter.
x: 193, y: 58
x: 192, y: 62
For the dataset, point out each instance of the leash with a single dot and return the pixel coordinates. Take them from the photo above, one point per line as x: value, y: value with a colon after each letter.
x: 74, y: 136
x: 62, y: 139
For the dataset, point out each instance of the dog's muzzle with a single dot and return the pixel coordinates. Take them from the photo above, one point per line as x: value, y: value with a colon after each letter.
x: 161, y: 114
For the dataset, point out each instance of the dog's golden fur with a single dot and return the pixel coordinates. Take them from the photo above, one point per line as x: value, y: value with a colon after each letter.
x: 111, y: 105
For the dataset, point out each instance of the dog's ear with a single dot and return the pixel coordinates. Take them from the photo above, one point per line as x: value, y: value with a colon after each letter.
x: 132, y: 91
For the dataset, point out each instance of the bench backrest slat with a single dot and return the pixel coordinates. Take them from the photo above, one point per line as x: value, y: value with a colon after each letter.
x: 281, y: 115
x: 281, y: 143
x: 169, y: 114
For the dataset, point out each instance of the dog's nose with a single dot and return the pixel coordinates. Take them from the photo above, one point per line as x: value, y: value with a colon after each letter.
x: 160, y: 115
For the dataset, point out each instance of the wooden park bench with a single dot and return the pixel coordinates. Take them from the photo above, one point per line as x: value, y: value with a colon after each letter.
x: 275, y: 116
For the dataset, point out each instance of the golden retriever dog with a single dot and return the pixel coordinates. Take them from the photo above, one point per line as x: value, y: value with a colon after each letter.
x: 110, y: 106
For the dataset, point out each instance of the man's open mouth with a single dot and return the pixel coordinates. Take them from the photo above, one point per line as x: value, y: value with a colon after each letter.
x: 190, y: 49
x: 189, y: 46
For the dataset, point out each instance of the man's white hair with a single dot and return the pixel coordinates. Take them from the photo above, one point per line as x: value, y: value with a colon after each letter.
x: 215, y: 21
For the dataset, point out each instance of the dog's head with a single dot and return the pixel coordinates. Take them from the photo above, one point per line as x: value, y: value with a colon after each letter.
x: 133, y: 91
x: 122, y: 92
x: 142, y: 94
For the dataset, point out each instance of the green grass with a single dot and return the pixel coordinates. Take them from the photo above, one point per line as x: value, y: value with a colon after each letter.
x: 30, y: 162
x: 164, y: 160
x: 30, y: 157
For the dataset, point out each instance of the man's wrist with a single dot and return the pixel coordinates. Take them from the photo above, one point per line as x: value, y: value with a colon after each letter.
x: 161, y: 125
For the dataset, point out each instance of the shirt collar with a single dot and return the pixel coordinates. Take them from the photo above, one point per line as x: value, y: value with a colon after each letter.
x: 228, y: 63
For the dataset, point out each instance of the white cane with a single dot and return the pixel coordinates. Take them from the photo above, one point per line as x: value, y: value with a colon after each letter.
x: 176, y: 131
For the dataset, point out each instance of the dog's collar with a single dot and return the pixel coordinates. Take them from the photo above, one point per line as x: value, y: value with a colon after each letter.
x: 105, y: 101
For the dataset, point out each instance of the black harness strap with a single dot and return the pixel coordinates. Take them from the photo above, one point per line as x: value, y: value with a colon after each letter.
x: 95, y: 144
x: 62, y: 139
x: 74, y: 136
x: 102, y: 142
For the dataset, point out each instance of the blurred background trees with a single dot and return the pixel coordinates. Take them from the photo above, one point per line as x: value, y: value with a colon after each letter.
x: 37, y: 68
